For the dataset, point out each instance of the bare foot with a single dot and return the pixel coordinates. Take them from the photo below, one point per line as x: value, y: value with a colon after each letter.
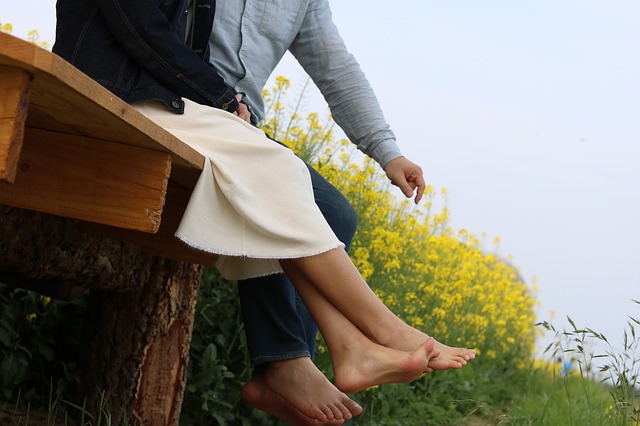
x: 257, y: 394
x: 367, y: 364
x: 451, y: 357
x: 301, y: 384
x: 406, y: 338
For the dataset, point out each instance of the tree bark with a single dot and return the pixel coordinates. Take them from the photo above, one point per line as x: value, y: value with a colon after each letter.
x: 140, y: 319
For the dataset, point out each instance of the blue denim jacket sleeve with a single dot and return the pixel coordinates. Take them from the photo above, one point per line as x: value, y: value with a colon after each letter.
x: 137, y: 50
x: 147, y: 33
x: 321, y: 51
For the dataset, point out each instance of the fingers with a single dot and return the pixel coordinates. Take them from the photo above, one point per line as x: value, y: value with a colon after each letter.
x: 421, y: 185
x: 407, y: 176
x: 243, y: 110
x: 405, y: 186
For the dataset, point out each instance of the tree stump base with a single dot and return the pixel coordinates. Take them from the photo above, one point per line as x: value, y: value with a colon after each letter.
x: 140, y: 319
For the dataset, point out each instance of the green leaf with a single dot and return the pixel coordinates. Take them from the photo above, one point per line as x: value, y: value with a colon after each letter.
x: 47, y: 352
x: 7, y: 368
x: 210, y: 355
x: 5, y: 337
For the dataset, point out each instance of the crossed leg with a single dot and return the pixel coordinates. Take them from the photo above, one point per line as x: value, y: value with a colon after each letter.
x: 331, y: 278
x: 358, y: 362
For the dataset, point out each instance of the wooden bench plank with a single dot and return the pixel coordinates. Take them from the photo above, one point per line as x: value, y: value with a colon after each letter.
x: 89, y: 179
x: 15, y: 86
x: 65, y: 100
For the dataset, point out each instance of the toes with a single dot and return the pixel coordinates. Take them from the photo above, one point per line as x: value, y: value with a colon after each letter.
x: 354, y: 408
x: 344, y: 412
x: 322, y: 414
x: 335, y: 413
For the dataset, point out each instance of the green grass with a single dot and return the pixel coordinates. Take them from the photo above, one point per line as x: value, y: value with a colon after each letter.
x: 561, y: 400
x: 599, y: 389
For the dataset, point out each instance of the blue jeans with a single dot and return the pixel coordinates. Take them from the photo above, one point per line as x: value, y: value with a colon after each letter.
x: 278, y: 325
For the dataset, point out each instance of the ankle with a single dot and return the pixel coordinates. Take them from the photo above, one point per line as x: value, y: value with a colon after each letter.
x: 286, y: 364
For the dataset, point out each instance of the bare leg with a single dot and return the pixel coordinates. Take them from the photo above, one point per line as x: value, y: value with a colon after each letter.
x: 257, y: 393
x: 335, y: 277
x: 358, y: 362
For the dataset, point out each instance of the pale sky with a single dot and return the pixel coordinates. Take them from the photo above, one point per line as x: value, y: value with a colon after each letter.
x: 528, y: 112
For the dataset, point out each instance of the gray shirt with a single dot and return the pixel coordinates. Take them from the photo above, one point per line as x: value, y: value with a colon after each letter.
x: 249, y: 39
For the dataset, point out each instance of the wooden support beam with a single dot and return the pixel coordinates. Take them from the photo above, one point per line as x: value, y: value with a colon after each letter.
x: 15, y: 87
x: 163, y: 243
x: 89, y: 179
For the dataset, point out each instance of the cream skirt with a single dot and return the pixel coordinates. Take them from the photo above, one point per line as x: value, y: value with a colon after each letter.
x: 253, y: 203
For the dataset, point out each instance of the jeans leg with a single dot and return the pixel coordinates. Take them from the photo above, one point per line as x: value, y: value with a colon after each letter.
x: 273, y: 328
x: 278, y: 325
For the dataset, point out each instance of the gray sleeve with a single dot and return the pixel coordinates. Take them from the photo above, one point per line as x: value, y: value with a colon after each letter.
x: 320, y: 50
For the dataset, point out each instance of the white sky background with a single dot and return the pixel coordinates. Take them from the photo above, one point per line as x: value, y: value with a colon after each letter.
x: 528, y: 111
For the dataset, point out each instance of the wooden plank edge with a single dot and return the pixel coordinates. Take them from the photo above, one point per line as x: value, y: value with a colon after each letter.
x: 15, y: 87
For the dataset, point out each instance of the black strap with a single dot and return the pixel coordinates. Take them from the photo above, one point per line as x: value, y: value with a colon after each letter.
x: 203, y: 13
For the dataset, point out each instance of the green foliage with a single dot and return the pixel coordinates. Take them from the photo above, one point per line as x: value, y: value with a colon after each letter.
x: 593, y: 359
x: 34, y: 350
x: 552, y: 398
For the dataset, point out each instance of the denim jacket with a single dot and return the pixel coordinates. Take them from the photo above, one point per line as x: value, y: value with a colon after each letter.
x: 250, y: 37
x: 137, y: 49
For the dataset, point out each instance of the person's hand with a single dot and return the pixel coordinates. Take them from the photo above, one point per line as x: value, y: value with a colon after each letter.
x: 243, y: 110
x: 407, y: 176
